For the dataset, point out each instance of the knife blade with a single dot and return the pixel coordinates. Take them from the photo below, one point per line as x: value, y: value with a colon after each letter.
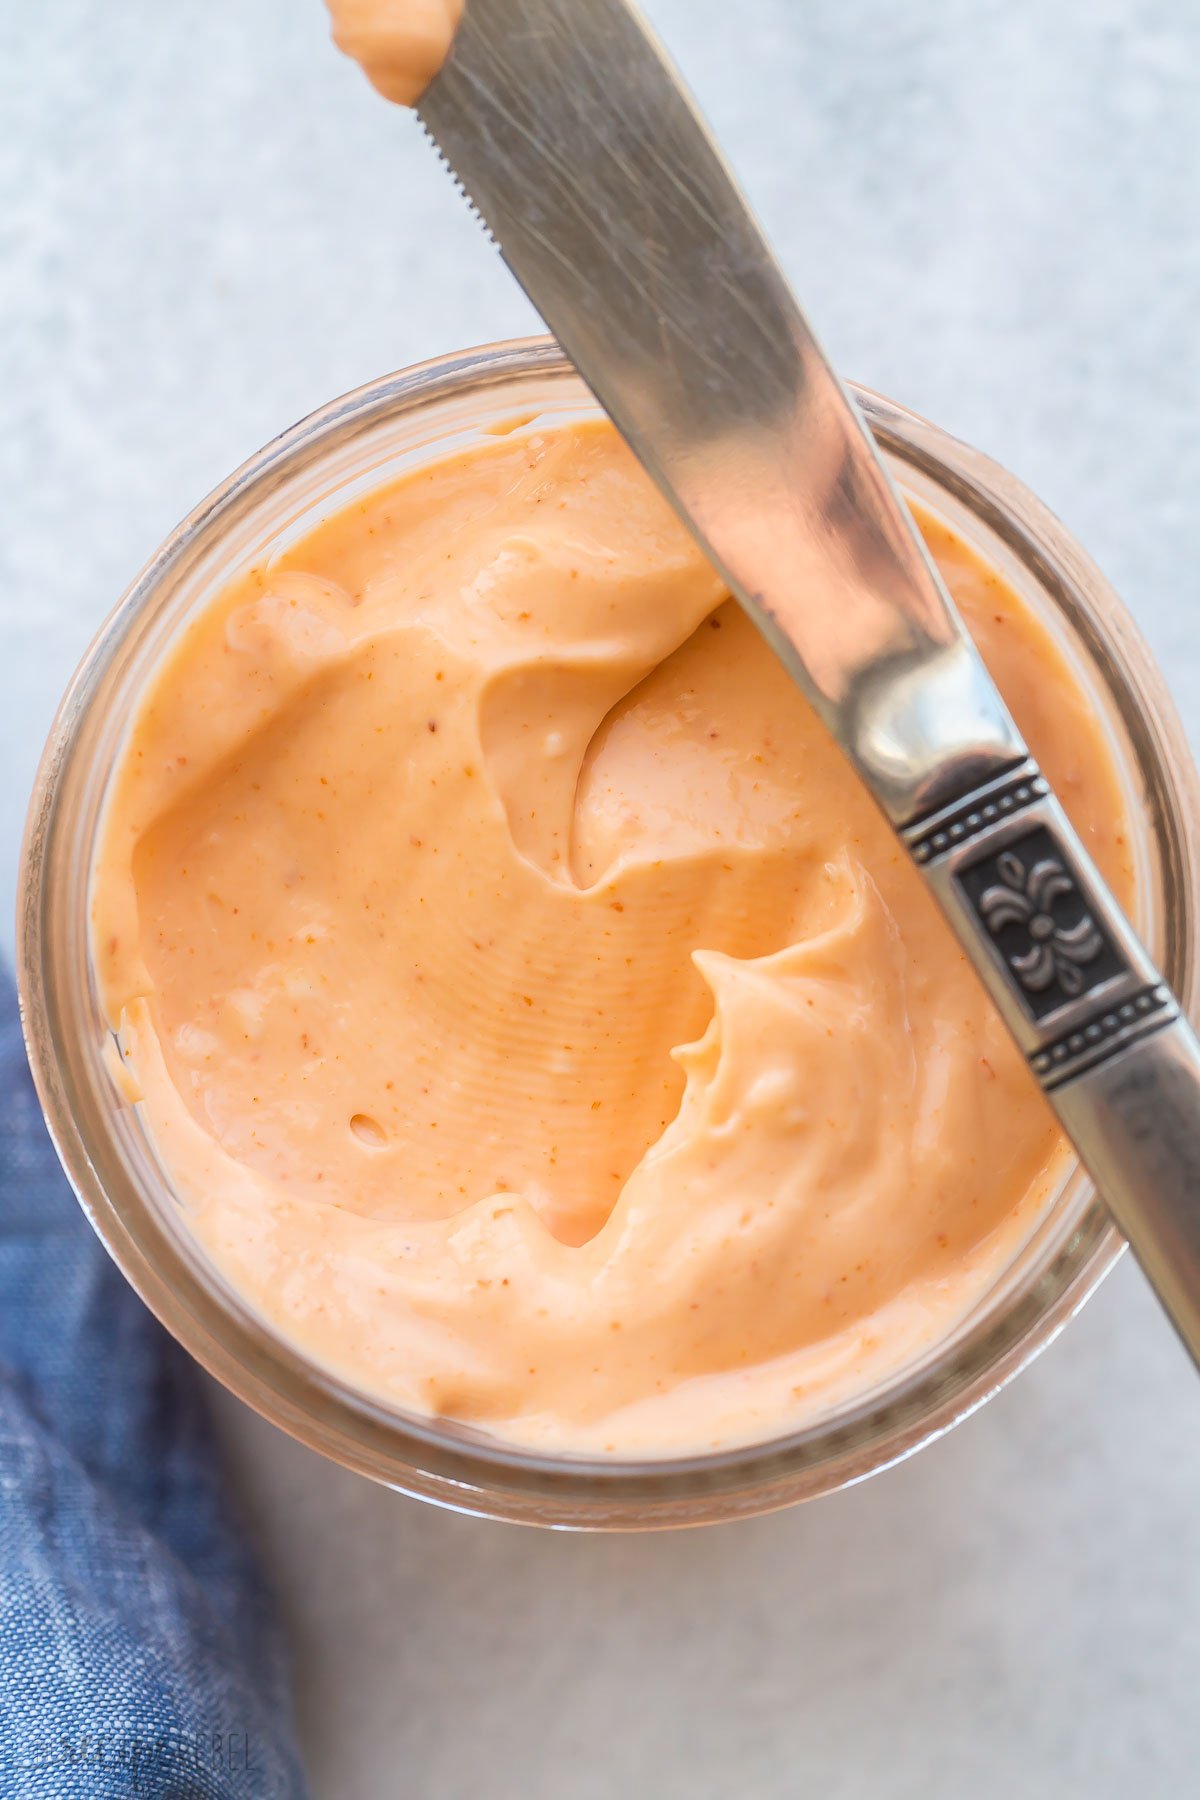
x: 573, y: 139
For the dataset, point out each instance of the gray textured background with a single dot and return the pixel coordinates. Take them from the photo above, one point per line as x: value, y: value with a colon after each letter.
x: 207, y: 227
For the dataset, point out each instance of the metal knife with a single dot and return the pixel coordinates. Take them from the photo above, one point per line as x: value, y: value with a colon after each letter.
x: 576, y: 143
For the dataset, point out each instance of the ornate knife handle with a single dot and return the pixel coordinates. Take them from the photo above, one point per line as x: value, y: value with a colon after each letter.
x: 1102, y: 1030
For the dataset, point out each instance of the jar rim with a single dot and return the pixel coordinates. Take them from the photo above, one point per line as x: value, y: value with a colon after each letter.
x: 439, y: 1460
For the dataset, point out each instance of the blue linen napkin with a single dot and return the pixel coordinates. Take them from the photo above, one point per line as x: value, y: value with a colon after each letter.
x: 138, y: 1653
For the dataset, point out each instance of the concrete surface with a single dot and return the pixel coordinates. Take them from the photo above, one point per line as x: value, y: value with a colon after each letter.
x: 208, y: 226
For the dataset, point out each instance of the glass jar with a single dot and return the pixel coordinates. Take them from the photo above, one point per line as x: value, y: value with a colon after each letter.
x: 358, y: 443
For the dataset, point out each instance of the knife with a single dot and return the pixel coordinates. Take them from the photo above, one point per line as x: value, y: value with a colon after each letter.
x: 575, y: 142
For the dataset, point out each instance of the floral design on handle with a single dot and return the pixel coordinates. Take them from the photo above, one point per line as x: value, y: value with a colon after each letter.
x: 1027, y: 897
